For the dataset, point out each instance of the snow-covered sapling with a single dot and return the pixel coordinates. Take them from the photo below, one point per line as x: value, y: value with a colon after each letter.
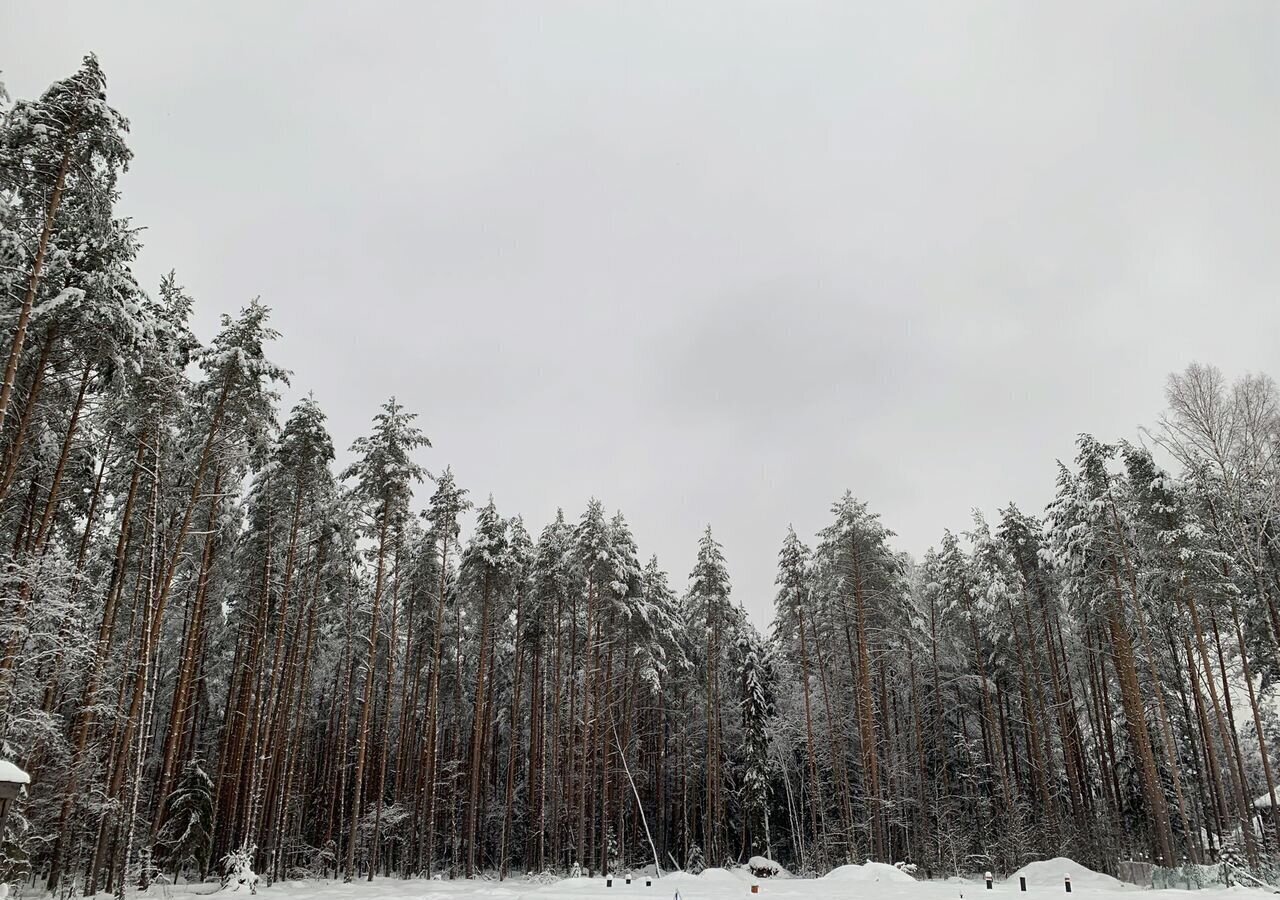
x: 237, y: 867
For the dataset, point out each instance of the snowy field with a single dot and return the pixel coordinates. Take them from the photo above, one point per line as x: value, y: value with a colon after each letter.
x: 1044, y: 881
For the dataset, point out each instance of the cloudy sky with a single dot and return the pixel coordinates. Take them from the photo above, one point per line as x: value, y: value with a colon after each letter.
x: 712, y: 261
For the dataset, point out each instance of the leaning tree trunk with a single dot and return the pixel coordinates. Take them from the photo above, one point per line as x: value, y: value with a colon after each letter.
x: 1135, y: 720
x: 33, y: 283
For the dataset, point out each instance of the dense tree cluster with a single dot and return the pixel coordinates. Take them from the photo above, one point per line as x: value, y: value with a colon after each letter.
x: 213, y: 646
x: 1098, y: 684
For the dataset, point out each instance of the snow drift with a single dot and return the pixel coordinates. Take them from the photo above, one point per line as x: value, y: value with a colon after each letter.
x: 869, y: 871
x: 715, y: 874
x: 1050, y: 872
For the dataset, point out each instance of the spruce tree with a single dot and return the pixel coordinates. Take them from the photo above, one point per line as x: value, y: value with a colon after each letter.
x: 187, y: 836
x: 757, y: 711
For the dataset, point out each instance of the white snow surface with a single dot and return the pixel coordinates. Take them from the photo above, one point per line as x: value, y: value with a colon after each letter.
x: 10, y: 772
x: 1051, y: 872
x: 722, y: 876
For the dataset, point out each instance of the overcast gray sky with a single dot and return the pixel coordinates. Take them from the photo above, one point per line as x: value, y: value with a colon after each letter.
x: 712, y: 262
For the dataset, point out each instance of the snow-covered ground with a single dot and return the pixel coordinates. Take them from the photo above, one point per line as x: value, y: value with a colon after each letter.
x: 874, y: 881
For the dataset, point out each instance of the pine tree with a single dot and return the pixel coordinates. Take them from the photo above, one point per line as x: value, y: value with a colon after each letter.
x: 485, y: 566
x: 384, y: 473
x: 708, y: 605
x: 59, y: 160
x: 447, y: 504
x: 793, y: 630
x: 860, y: 571
x: 1091, y: 540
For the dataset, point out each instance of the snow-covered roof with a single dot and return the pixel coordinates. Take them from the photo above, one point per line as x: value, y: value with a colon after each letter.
x: 1263, y: 801
x: 11, y: 773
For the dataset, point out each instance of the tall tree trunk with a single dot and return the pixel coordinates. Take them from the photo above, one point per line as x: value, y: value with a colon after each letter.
x: 33, y: 282
x: 362, y: 729
x: 866, y: 714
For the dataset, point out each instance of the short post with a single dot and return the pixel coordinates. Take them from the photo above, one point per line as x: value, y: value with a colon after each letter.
x: 608, y: 880
x: 988, y: 879
x: 1022, y: 883
x: 1066, y: 879
x: 648, y: 883
x: 628, y: 878
x: 755, y: 888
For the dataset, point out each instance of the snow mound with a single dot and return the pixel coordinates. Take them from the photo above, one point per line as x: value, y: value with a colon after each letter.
x: 869, y: 871
x: 1051, y: 872
x: 679, y: 877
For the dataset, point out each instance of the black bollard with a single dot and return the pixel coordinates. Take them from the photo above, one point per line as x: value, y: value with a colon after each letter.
x: 988, y: 878
x: 608, y: 882
x: 628, y: 879
x: 1066, y: 879
x: 648, y: 883
x: 1022, y: 883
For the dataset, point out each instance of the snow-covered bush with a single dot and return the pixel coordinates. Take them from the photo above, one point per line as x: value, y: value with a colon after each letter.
x: 237, y: 870
x: 763, y: 867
